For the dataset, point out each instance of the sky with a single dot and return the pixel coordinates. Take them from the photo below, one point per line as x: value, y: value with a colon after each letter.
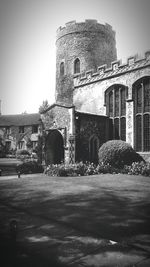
x: 28, y: 35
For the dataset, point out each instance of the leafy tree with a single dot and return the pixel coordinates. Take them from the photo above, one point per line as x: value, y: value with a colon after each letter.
x: 44, y: 106
x: 29, y: 143
x: 38, y: 148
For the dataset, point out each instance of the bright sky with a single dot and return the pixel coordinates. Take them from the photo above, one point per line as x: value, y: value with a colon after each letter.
x: 27, y: 42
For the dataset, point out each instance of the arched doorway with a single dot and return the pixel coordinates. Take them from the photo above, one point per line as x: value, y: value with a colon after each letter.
x: 54, y: 148
x: 93, y: 148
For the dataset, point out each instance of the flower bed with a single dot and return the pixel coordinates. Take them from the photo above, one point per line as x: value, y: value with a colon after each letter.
x: 83, y: 169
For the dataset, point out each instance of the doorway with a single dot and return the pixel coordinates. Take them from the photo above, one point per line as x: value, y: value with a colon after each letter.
x: 93, y: 148
x: 54, y: 148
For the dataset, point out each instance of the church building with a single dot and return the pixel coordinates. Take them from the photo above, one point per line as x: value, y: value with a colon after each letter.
x: 97, y: 97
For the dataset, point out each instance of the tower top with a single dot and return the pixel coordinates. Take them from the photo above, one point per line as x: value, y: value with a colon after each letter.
x: 89, y: 25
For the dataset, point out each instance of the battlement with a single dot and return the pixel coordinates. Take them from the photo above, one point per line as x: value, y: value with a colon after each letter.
x: 117, y: 68
x: 89, y: 25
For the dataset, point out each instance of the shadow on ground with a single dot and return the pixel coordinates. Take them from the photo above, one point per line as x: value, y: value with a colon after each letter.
x: 60, y: 207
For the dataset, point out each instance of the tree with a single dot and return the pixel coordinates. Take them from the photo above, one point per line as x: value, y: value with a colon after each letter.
x: 29, y: 143
x: 44, y: 106
x: 38, y: 148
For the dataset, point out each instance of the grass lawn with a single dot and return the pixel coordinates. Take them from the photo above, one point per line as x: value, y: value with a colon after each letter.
x: 115, y: 207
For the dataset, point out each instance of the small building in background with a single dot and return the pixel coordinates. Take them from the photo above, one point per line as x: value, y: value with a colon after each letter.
x: 20, y: 131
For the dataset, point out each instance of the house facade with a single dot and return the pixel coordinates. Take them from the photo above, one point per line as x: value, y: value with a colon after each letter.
x: 20, y: 131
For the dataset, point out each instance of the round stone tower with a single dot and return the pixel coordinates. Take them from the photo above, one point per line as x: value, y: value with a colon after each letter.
x: 81, y: 47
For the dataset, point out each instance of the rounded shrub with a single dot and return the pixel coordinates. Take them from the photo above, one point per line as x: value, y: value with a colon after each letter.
x: 118, y: 153
x: 29, y: 167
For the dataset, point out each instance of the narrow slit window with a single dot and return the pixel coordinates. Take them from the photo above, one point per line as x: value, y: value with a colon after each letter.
x: 77, y: 66
x: 62, y: 68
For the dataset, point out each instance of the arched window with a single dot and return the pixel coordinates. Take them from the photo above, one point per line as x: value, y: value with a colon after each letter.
x: 77, y: 66
x: 141, y: 97
x: 146, y: 119
x: 138, y: 123
x: 115, y: 98
x: 62, y: 68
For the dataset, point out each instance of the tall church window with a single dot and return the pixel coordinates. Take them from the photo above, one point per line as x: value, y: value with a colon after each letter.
x: 138, y: 123
x: 116, y: 103
x: 77, y: 66
x: 111, y: 104
x: 146, y: 96
x: 141, y: 97
x: 62, y: 68
x: 123, y: 102
x: 123, y: 128
x: 115, y: 97
x: 146, y: 132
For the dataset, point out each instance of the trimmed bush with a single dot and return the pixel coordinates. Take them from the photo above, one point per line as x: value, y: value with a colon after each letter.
x: 118, y: 153
x: 29, y: 167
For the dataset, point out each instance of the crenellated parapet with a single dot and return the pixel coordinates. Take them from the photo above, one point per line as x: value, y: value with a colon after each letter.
x: 88, y: 25
x: 116, y: 69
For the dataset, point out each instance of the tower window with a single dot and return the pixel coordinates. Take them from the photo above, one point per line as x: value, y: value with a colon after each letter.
x: 62, y: 68
x: 77, y: 66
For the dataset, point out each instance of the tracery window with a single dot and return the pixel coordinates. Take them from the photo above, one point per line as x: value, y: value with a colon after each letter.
x: 123, y: 128
x: 123, y: 102
x: 146, y: 132
x: 138, y: 133
x: 115, y: 98
x: 77, y: 66
x: 110, y: 104
x: 141, y: 97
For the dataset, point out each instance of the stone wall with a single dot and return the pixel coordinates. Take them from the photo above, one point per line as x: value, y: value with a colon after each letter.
x: 88, y: 125
x: 60, y: 118
x: 89, y: 91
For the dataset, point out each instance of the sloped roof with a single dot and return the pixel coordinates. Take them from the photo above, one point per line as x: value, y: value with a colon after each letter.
x: 20, y: 119
x: 58, y: 104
